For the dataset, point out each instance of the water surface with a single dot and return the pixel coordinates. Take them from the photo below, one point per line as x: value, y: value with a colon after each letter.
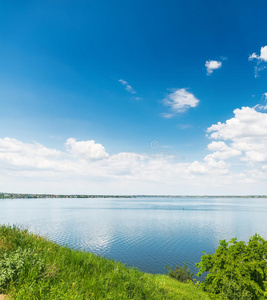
x: 148, y: 233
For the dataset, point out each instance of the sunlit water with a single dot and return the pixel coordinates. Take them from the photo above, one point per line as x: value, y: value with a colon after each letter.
x: 148, y: 233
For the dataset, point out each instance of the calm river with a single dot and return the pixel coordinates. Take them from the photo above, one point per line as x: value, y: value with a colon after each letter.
x: 148, y: 233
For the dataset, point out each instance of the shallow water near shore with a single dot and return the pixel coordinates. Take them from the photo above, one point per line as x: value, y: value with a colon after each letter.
x: 148, y: 233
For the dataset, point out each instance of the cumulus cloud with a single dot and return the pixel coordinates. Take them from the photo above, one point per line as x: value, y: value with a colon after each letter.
x: 261, y: 60
x: 262, y: 56
x: 86, y: 149
x: 246, y: 134
x: 28, y: 156
x: 197, y: 168
x: 128, y: 88
x: 239, y: 143
x: 84, y: 167
x: 222, y: 151
x: 212, y: 65
x: 179, y: 101
x: 237, y: 155
x: 12, y: 145
x: 247, y: 124
x: 213, y: 163
x: 256, y: 156
x: 218, y: 146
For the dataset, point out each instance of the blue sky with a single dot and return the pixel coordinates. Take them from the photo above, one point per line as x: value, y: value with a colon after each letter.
x: 123, y: 75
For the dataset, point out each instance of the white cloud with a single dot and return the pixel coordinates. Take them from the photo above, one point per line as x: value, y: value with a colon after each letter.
x: 246, y: 133
x: 256, y: 156
x: 212, y: 65
x: 222, y: 151
x: 237, y: 163
x: 197, y: 168
x: 217, y: 146
x: 247, y: 124
x: 86, y: 149
x: 262, y: 56
x: 262, y: 106
x: 242, y: 142
x: 14, y: 146
x: 85, y: 168
x: 128, y: 88
x: 222, y: 155
x: 16, y: 154
x: 179, y: 101
x: 261, y: 60
x: 213, y: 163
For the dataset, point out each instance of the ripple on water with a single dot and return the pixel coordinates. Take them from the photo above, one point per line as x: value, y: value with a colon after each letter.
x: 148, y: 233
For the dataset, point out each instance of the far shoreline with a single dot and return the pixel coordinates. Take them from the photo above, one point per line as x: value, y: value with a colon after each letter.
x: 37, y: 195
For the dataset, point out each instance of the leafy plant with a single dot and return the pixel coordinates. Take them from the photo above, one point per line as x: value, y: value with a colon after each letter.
x: 182, y: 274
x: 14, y: 263
x: 237, y: 270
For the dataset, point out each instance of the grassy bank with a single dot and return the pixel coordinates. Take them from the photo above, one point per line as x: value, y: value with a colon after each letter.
x: 33, y: 268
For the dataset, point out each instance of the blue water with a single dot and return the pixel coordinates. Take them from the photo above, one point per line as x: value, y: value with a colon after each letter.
x: 148, y: 233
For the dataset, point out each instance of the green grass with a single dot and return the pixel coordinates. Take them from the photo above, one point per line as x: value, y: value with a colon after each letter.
x: 33, y: 268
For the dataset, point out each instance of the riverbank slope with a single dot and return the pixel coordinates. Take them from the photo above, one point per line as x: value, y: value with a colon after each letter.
x: 32, y: 267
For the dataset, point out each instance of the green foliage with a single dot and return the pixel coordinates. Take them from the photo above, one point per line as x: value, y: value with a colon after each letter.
x: 14, y: 263
x: 182, y: 274
x: 10, y: 267
x: 237, y: 270
x: 34, y: 268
